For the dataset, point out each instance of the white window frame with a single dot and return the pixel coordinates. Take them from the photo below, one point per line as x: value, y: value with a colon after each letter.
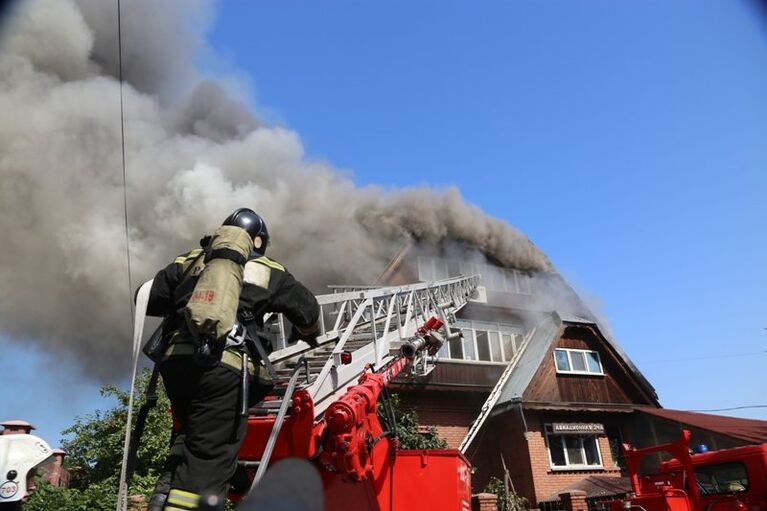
x: 524, y: 283
x: 549, y: 433
x: 512, y: 285
x: 569, y: 352
x: 471, y: 327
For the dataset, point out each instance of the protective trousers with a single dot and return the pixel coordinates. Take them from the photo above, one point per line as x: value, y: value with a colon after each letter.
x: 206, y: 404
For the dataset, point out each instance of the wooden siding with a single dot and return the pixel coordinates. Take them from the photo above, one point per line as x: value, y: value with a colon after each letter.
x: 615, y: 386
x: 450, y: 376
x: 503, y: 436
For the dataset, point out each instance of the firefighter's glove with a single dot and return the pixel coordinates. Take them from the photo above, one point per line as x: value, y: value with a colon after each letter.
x: 308, y: 335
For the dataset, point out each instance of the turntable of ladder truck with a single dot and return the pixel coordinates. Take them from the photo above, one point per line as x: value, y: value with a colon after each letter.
x: 725, y: 480
x: 324, y: 406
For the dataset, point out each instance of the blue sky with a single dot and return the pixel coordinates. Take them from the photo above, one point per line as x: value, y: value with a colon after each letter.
x: 626, y: 139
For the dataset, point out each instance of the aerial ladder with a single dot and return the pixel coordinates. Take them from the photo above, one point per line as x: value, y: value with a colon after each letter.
x: 324, y: 403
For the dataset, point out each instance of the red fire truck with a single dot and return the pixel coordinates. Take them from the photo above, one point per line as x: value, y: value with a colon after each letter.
x: 725, y: 480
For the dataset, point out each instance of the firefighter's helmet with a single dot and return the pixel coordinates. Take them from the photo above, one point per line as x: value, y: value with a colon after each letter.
x: 253, y: 224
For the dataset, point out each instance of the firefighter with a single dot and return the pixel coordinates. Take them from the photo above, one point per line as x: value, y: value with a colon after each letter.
x: 206, y: 397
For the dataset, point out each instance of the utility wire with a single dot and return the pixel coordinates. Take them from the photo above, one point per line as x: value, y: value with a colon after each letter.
x: 705, y: 357
x: 729, y: 409
x: 122, y: 492
x: 122, y: 145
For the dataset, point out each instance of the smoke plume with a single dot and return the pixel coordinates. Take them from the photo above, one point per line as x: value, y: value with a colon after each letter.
x: 194, y: 153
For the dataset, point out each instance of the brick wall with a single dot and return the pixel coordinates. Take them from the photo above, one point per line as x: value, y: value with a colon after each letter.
x: 526, y: 454
x: 547, y: 481
x: 574, y: 500
x: 54, y: 472
x: 484, y: 502
x: 450, y: 412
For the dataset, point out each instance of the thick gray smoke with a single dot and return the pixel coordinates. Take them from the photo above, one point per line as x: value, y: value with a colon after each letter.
x: 189, y: 163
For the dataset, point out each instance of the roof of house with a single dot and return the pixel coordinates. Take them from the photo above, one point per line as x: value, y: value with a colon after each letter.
x: 534, y: 348
x: 749, y: 430
x: 538, y: 343
x: 595, y: 486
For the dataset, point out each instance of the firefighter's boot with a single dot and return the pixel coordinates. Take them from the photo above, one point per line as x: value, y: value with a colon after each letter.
x: 157, y: 502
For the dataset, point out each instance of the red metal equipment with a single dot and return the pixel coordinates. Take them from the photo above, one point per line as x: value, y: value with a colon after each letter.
x: 352, y: 423
x: 725, y: 480
x: 361, y: 465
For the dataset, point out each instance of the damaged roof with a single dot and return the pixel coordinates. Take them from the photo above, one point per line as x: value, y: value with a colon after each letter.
x: 544, y: 334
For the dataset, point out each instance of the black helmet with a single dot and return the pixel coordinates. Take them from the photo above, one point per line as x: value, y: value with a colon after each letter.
x: 252, y: 223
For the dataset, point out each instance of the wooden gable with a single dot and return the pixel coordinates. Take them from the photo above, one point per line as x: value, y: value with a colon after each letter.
x: 618, y: 385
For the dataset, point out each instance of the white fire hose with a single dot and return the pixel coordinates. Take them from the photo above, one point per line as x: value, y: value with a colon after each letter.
x: 142, y: 300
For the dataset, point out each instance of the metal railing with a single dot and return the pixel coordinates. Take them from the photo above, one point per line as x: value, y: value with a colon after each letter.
x: 369, y: 323
x: 337, y: 309
x: 596, y: 503
x: 552, y: 505
x: 602, y: 502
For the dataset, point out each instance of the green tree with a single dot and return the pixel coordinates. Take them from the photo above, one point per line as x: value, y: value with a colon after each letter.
x: 94, y: 446
x: 409, y: 430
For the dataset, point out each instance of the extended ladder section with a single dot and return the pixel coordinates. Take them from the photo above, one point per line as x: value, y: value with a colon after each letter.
x: 360, y: 327
x: 495, y: 394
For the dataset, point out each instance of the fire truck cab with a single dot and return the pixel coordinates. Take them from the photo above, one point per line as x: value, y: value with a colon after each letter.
x: 725, y: 480
x: 730, y: 478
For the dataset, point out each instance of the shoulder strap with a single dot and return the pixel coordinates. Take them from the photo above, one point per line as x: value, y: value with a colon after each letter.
x: 184, y: 259
x: 192, y: 264
x: 269, y: 262
x: 255, y: 337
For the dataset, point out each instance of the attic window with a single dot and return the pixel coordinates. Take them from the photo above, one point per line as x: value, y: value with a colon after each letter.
x: 572, y: 361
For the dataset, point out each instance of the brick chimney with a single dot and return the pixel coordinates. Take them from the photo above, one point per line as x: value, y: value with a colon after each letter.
x: 55, y: 472
x: 16, y: 427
